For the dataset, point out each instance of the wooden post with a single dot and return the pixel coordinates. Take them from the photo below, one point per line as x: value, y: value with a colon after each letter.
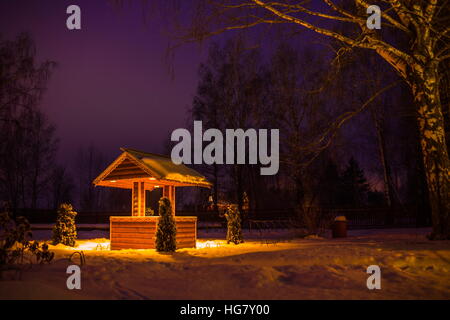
x: 138, y: 199
x: 165, y: 192
x: 135, y: 199
x: 173, y: 200
x: 142, y: 199
x: 169, y: 192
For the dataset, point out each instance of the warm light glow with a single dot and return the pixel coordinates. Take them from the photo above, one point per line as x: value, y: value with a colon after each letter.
x: 156, y: 186
x: 94, y: 245
x: 209, y: 244
x: 113, y: 180
x: 151, y: 178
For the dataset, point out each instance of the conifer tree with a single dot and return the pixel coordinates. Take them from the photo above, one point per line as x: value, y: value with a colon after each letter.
x: 65, y: 231
x: 354, y: 184
x: 166, y: 232
x: 234, y: 228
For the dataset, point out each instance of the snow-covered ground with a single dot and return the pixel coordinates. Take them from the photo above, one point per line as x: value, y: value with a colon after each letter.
x: 269, y: 265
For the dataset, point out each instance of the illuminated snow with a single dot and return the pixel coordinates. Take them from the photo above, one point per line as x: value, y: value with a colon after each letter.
x: 320, y: 268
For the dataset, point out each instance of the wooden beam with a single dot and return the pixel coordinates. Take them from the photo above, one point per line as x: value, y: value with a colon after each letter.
x: 142, y: 199
x: 165, y: 192
x: 127, y: 182
x: 117, y: 184
x: 135, y: 199
x: 121, y: 171
x: 126, y: 176
x: 173, y: 200
x: 126, y: 164
x: 169, y: 192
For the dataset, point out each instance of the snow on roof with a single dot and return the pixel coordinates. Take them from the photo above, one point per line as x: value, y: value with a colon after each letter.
x: 166, y: 169
x: 151, y: 165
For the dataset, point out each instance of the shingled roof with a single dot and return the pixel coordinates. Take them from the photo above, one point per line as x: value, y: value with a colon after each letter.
x: 154, y: 169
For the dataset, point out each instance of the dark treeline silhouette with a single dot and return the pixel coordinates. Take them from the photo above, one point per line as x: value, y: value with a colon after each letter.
x: 345, y: 142
x: 89, y: 163
x: 412, y: 41
x: 29, y: 174
x: 31, y: 179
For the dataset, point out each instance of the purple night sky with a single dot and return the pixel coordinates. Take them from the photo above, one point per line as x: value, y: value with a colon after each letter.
x: 113, y: 85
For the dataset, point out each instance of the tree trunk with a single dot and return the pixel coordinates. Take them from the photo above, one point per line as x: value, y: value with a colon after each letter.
x: 425, y: 88
x: 299, y: 188
x: 239, y: 188
x: 34, y: 188
x: 423, y: 214
x: 444, y: 90
x: 388, y: 185
x: 216, y: 186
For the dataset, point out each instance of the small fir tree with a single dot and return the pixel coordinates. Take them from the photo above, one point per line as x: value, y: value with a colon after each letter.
x: 166, y: 232
x: 234, y: 229
x: 65, y: 231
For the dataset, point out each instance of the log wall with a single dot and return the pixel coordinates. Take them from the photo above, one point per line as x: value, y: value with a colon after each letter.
x: 139, y: 232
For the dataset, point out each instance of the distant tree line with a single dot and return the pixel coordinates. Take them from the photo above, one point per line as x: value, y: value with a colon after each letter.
x: 322, y: 153
x: 326, y: 160
x: 31, y: 176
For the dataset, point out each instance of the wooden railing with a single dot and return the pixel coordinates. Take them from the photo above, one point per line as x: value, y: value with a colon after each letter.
x: 283, y: 218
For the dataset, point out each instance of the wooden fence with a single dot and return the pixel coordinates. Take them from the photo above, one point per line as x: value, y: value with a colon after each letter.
x: 283, y: 218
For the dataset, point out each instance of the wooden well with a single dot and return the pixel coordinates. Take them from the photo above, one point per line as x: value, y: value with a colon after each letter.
x: 141, y: 171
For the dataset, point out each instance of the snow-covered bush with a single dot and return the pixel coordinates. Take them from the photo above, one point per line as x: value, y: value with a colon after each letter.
x: 16, y: 247
x: 234, y: 228
x: 65, y: 231
x: 166, y: 232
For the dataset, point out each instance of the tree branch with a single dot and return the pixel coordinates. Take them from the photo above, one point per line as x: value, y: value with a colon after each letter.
x: 394, y: 56
x: 326, y: 138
